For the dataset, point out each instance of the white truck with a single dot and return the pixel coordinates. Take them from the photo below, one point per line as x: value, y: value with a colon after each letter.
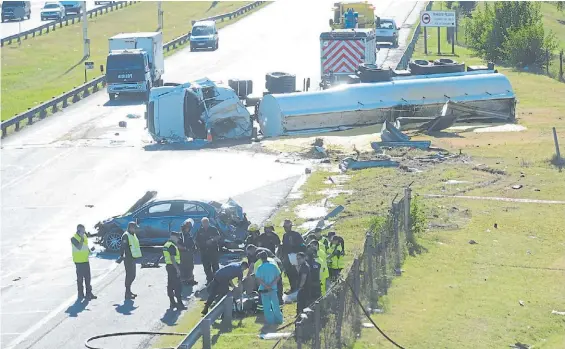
x: 135, y: 63
x: 387, y: 31
x: 342, y: 51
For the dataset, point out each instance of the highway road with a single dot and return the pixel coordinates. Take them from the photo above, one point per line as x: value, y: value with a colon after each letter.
x: 12, y: 27
x: 78, y: 166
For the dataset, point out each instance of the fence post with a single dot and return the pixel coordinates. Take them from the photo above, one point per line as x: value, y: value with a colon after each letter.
x: 561, y: 65
x: 227, y: 314
x: 357, y: 290
x: 317, y: 326
x: 298, y: 327
x: 369, y: 258
x: 396, y: 212
x: 547, y: 58
x: 206, y: 340
x: 340, y: 311
x: 407, y: 217
x: 384, y: 262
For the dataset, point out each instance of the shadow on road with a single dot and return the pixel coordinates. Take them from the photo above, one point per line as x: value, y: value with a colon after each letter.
x: 198, y: 145
x: 126, y: 307
x: 77, y: 307
x: 124, y: 101
x: 170, y: 317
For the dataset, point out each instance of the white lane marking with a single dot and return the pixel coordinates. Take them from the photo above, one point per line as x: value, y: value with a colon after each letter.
x: 25, y: 175
x: 40, y: 323
x: 26, y: 312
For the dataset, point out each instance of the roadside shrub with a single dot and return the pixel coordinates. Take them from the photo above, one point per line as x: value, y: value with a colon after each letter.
x: 419, y: 223
x: 527, y: 47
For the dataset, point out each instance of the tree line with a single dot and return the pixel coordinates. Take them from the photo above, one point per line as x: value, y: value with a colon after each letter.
x: 509, y: 32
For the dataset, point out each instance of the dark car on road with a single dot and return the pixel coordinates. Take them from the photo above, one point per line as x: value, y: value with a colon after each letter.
x: 157, y: 217
x: 19, y: 10
x: 72, y: 7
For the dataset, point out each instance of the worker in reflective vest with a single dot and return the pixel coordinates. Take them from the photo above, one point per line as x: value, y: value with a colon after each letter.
x: 172, y: 260
x: 130, y: 251
x: 79, y: 243
x: 336, y: 258
x: 321, y: 258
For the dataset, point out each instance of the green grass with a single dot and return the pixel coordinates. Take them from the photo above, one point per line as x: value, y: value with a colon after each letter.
x: 458, y: 295
x: 52, y: 64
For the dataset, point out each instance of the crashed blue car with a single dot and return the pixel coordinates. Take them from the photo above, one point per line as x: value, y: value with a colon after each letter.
x: 158, y: 217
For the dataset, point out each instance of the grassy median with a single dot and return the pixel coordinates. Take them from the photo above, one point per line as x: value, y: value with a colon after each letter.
x: 49, y: 65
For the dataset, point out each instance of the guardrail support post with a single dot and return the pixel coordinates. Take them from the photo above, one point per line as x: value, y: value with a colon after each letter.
x: 76, y: 98
x: 30, y: 119
x: 54, y: 109
x: 65, y: 103
x: 42, y: 114
x: 206, y: 340
x: 17, y: 126
x: 86, y: 93
x: 227, y: 314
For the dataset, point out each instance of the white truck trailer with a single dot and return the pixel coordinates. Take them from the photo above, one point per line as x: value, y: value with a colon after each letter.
x: 135, y: 63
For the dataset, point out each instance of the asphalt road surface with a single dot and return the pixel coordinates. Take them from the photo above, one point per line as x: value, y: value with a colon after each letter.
x: 13, y: 27
x: 78, y: 166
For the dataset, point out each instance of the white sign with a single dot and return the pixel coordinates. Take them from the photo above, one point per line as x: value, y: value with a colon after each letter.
x: 89, y: 65
x: 438, y: 19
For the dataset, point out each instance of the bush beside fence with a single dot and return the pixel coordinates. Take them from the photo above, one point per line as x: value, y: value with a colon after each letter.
x: 336, y: 320
x: 52, y: 26
x: 76, y: 94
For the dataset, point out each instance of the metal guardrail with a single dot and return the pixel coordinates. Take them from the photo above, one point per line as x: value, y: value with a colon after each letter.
x: 82, y: 91
x: 224, y: 308
x: 52, y: 26
x: 407, y: 55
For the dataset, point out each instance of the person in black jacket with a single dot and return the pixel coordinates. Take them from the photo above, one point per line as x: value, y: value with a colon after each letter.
x: 208, y: 242
x: 187, y: 248
x: 269, y: 239
x: 292, y: 244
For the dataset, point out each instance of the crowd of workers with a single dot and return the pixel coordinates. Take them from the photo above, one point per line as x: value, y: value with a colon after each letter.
x: 310, y: 265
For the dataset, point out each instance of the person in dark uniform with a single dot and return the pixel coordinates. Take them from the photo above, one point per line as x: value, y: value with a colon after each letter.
x: 187, y: 248
x: 314, y: 279
x: 269, y: 239
x: 208, y: 242
x: 172, y: 256
x: 292, y: 243
x: 252, y: 235
x: 81, y: 252
x: 253, y: 259
x: 129, y: 252
x: 222, y: 281
x: 303, y: 297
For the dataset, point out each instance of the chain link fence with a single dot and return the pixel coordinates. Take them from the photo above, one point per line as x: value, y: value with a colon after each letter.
x: 336, y: 320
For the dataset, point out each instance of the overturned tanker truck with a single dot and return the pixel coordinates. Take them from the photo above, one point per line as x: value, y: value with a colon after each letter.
x: 205, y: 110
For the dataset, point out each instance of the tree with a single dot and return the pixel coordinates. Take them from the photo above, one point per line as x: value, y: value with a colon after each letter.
x: 509, y: 32
x: 560, y: 5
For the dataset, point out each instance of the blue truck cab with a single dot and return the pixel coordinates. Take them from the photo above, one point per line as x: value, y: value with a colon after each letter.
x: 204, y: 34
x: 12, y: 9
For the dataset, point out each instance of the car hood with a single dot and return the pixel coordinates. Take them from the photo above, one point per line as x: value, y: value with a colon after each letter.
x: 150, y: 195
x: 201, y: 37
x: 50, y: 10
x: 229, y: 212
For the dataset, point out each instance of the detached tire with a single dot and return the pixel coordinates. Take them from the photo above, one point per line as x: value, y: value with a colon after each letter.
x: 279, y: 82
x: 242, y: 88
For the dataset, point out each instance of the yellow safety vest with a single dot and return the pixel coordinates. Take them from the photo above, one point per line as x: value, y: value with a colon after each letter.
x: 336, y: 261
x: 133, y: 245
x: 322, y: 259
x: 323, y: 242
x: 80, y: 256
x: 167, y: 255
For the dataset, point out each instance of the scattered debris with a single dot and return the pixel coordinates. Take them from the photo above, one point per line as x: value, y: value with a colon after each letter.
x: 307, y: 170
x: 133, y: 116
x: 122, y: 124
x: 401, y: 144
x: 495, y: 226
x: 391, y: 133
x: 275, y: 335
x: 318, y: 142
x: 116, y: 134
x: 368, y: 325
x: 351, y: 164
x: 519, y: 345
x: 485, y: 168
x: 521, y: 302
x: 89, y: 206
x: 321, y: 150
x: 409, y: 169
x: 17, y: 279
x: 517, y: 186
x: 453, y: 181
x: 558, y: 312
x: 473, y: 242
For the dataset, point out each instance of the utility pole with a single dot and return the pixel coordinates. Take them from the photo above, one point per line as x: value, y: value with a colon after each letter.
x: 159, y: 16
x: 86, y: 50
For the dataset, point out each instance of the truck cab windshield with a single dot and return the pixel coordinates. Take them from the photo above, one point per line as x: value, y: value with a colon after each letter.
x: 12, y: 4
x: 125, y: 62
x: 202, y: 31
x: 386, y: 25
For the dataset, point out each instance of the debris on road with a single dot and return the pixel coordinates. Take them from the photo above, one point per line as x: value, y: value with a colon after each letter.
x: 521, y: 302
x: 558, y: 312
x: 122, y: 124
x: 519, y: 345
x: 17, y: 279
x: 133, y: 116
x: 399, y: 144
x: 473, y: 242
x: 517, y: 186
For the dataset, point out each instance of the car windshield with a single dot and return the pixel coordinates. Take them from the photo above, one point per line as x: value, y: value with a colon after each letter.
x: 199, y: 31
x: 386, y: 25
x: 51, y: 6
x: 125, y: 62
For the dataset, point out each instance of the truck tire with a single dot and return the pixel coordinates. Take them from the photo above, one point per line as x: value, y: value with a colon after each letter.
x: 243, y: 88
x: 252, y: 101
x: 279, y: 82
x: 191, y: 48
x: 112, y: 96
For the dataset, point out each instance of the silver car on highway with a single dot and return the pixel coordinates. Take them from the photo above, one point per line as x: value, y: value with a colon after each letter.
x: 53, y: 10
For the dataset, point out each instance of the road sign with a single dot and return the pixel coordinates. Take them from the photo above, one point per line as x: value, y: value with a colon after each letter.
x: 438, y: 19
x: 89, y: 65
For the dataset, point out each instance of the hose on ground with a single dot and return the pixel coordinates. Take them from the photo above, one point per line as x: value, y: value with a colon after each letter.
x: 137, y: 333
